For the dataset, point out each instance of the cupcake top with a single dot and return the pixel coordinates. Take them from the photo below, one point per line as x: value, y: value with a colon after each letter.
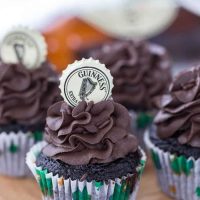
x: 179, y: 114
x: 28, y: 83
x: 141, y: 71
x: 88, y: 132
x: 25, y: 95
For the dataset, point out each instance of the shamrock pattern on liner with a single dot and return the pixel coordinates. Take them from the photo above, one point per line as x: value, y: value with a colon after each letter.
x: 178, y: 164
x: 119, y: 189
x: 181, y: 165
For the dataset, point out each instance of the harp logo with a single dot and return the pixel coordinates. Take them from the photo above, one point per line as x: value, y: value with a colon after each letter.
x: 87, y: 87
x: 86, y: 83
x: 19, y: 51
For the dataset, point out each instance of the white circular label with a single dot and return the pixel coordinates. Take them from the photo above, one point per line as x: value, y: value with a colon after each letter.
x: 133, y: 18
x: 86, y: 80
x: 23, y: 46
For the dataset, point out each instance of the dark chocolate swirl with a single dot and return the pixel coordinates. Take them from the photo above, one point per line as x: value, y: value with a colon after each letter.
x: 180, y: 110
x: 25, y: 95
x: 88, y: 133
x: 141, y: 71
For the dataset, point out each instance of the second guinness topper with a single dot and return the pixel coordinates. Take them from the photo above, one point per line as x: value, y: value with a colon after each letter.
x: 25, y: 46
x: 86, y: 80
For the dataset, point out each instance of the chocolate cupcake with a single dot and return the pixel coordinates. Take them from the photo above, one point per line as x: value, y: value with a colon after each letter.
x: 174, y: 142
x: 88, y: 151
x: 141, y: 72
x: 25, y: 95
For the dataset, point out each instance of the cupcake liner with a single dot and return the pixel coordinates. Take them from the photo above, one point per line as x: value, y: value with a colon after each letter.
x: 140, y: 121
x: 13, y: 150
x: 177, y: 176
x: 54, y: 187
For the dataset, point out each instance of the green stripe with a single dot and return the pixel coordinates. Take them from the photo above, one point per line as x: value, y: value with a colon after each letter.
x: 42, y: 181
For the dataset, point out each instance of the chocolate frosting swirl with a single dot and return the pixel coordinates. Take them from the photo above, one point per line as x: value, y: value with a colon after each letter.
x: 141, y: 71
x: 88, y: 133
x: 180, y: 109
x: 25, y: 95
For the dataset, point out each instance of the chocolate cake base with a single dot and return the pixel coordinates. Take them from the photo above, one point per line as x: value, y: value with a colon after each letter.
x: 174, y: 147
x: 90, y: 172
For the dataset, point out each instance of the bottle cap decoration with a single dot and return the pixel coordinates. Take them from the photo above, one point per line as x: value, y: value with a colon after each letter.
x: 87, y: 80
x: 25, y: 46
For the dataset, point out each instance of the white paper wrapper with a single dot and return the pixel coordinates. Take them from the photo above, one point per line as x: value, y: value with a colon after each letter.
x: 140, y: 121
x: 13, y: 150
x: 178, y: 176
x: 57, y: 188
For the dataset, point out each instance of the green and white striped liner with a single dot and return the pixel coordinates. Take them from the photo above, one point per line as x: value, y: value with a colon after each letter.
x: 58, y: 188
x: 13, y: 150
x: 178, y: 176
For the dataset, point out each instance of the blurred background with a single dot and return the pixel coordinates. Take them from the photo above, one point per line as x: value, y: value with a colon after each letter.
x: 72, y: 28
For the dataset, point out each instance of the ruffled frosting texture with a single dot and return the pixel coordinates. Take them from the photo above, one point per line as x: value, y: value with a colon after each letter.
x: 25, y: 95
x: 180, y: 110
x: 141, y: 71
x: 88, y: 133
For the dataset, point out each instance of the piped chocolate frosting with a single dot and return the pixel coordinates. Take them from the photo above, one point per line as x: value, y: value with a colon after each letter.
x: 25, y: 95
x: 141, y: 71
x: 88, y: 133
x: 180, y: 109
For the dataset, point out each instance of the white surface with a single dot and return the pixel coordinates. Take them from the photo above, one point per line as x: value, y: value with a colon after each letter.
x: 33, y: 13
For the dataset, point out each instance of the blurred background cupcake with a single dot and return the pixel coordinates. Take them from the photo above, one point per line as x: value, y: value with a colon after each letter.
x: 89, y: 151
x: 141, y: 71
x: 28, y: 86
x: 174, y: 142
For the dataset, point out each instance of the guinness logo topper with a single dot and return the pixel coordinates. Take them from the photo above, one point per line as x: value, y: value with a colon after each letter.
x: 25, y: 46
x: 86, y: 80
